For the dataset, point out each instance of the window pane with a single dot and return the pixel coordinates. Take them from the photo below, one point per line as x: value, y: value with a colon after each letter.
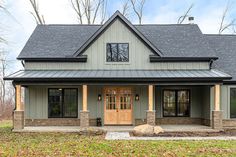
x: 123, y: 55
x: 117, y: 52
x: 169, y: 103
x: 55, y: 102
x: 183, y: 103
x: 111, y: 100
x: 70, y: 103
x: 233, y: 103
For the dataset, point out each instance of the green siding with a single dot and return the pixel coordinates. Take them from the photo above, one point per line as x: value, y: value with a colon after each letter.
x: 138, y: 54
x: 199, y: 100
x: 225, y: 100
x: 36, y: 101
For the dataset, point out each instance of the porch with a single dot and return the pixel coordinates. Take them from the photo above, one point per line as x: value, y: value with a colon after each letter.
x: 146, y: 103
x: 117, y: 97
x: 76, y: 129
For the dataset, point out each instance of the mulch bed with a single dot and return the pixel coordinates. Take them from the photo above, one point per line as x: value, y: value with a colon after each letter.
x: 226, y: 132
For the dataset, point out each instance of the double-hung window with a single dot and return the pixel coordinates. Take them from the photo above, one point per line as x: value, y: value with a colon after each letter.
x: 117, y: 52
x: 176, y: 103
x: 62, y: 103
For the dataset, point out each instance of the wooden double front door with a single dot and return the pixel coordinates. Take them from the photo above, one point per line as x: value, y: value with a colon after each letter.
x: 118, y: 105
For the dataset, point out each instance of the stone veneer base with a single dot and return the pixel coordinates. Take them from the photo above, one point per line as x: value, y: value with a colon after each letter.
x: 217, y: 120
x: 151, y: 117
x: 18, y: 120
x: 84, y: 118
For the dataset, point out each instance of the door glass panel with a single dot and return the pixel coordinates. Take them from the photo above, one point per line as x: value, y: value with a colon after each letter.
x: 183, y: 103
x: 125, y: 99
x: 111, y: 100
x: 55, y: 103
x: 233, y: 103
x: 70, y: 103
x: 169, y: 103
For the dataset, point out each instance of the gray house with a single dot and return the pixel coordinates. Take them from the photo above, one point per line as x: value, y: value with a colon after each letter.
x: 125, y: 74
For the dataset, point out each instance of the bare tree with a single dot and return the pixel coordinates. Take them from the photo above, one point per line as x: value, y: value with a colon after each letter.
x: 89, y: 10
x: 125, y: 8
x: 137, y: 6
x: 223, y: 25
x: 36, y: 14
x: 186, y: 14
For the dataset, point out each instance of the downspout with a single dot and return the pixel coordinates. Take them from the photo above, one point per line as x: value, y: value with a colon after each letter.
x: 210, y: 63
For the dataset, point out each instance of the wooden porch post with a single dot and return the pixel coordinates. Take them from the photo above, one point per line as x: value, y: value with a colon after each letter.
x: 150, y: 98
x: 85, y: 94
x: 19, y: 104
x: 151, y: 120
x: 217, y: 98
x: 84, y: 114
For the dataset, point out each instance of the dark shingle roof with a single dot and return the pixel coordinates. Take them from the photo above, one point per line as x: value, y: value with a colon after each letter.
x: 59, y: 41
x: 225, y: 48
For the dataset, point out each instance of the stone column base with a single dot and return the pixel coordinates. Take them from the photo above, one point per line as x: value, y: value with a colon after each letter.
x: 18, y: 120
x: 84, y: 118
x: 217, y: 120
x: 151, y: 118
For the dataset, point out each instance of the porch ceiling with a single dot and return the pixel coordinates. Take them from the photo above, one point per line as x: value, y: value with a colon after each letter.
x: 118, y: 75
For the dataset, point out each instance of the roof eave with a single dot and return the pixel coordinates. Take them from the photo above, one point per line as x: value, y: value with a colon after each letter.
x: 82, y: 58
x: 154, y: 58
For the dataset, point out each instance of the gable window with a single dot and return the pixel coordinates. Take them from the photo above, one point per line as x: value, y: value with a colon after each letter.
x: 117, y: 52
x: 62, y: 103
x: 176, y: 103
x: 232, y: 102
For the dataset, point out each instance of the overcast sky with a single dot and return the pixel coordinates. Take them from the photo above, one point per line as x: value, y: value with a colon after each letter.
x: 18, y: 27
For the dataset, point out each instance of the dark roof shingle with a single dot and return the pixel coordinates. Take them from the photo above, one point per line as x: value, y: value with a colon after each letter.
x: 60, y: 41
x: 225, y: 48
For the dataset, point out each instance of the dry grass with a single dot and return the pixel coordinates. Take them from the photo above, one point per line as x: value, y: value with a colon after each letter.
x: 59, y: 144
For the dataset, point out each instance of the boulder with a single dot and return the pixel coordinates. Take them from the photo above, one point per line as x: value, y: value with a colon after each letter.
x: 158, y: 129
x: 147, y: 130
x: 91, y: 131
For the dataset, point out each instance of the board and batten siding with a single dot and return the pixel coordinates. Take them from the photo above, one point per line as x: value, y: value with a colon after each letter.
x: 199, y: 100
x: 116, y: 33
x: 36, y: 101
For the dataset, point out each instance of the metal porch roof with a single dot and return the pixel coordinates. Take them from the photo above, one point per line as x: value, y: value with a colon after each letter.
x: 50, y: 75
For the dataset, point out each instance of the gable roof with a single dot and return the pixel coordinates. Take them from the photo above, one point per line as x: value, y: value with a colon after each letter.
x: 63, y: 41
x: 225, y: 48
x: 119, y: 16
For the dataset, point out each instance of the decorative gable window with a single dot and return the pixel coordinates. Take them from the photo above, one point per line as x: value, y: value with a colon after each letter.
x: 117, y: 52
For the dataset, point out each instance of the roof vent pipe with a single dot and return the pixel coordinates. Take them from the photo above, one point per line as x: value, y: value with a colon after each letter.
x: 191, y: 19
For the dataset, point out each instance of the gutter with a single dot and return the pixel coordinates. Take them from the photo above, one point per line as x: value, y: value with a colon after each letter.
x: 82, y: 58
x: 155, y: 58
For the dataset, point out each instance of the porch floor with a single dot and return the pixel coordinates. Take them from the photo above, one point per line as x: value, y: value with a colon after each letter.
x: 167, y: 128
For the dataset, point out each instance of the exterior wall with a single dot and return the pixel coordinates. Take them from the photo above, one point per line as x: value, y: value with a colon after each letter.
x: 225, y: 101
x: 36, y: 105
x: 199, y: 100
x: 36, y: 101
x: 116, y: 33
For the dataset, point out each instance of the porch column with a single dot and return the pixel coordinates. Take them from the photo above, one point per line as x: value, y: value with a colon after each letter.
x: 151, y: 119
x: 217, y: 113
x: 18, y: 114
x: 84, y: 113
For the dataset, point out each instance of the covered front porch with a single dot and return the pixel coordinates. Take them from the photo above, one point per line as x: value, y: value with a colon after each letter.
x: 117, y: 97
x: 138, y: 104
